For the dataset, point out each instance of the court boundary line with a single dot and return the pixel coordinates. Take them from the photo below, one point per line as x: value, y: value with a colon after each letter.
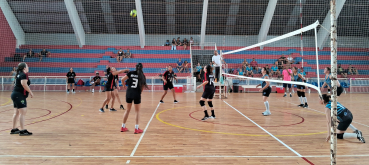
x: 143, y: 134
x: 288, y: 147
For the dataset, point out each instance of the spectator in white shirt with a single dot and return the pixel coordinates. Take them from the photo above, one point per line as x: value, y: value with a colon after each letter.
x: 290, y: 59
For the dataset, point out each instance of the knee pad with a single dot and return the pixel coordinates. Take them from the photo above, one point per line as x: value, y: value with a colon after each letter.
x: 298, y: 93
x: 329, y: 90
x: 340, y: 136
x: 202, y: 103
x: 210, y: 103
x: 302, y: 94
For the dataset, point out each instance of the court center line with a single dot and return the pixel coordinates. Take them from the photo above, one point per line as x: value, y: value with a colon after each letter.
x: 324, y: 113
x: 143, y: 134
x: 268, y: 132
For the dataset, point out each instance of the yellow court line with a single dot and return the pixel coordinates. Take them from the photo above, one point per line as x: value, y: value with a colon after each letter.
x: 9, y: 100
x: 226, y: 133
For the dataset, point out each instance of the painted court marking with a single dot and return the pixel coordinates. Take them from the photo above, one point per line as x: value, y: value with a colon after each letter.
x: 143, y: 134
x: 270, y: 134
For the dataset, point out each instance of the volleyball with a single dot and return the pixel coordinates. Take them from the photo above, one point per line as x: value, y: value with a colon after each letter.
x: 133, y: 13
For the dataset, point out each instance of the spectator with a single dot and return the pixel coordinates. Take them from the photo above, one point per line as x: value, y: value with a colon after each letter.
x: 254, y: 65
x: 44, y: 53
x: 29, y: 54
x: 352, y: 70
x: 128, y: 54
x: 249, y: 71
x: 179, y: 43
x: 341, y: 71
x: 245, y: 62
x: 217, y: 61
x: 198, y: 71
x: 120, y: 55
x: 185, y: 67
x: 167, y: 43
x: 95, y: 81
x: 174, y: 44
x: 179, y: 65
x: 290, y: 59
x: 185, y: 44
x: 240, y: 72
x: 191, y: 41
x: 283, y: 59
x: 13, y: 73
x: 106, y: 75
x: 302, y: 72
x: 274, y: 70
x: 287, y: 73
x: 235, y: 71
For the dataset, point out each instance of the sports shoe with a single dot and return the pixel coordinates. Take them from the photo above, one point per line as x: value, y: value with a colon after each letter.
x: 68, y: 92
x: 175, y: 101
x: 112, y: 109
x: 73, y: 91
x: 284, y: 95
x: 93, y: 90
x: 360, y: 136
x: 137, y: 131
x: 121, y: 107
x: 24, y: 133
x: 101, y: 110
x: 106, y: 106
x: 305, y: 106
x: 301, y: 105
x: 205, y: 118
x: 266, y: 113
x: 212, y: 117
x: 15, y: 131
x: 161, y: 101
x: 290, y: 95
x: 123, y: 129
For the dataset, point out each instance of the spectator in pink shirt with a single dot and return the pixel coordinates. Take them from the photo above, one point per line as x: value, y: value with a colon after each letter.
x: 254, y: 65
x: 287, y: 73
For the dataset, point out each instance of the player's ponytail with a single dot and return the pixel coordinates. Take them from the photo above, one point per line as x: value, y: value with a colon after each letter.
x: 326, y: 98
x: 209, y: 69
x: 266, y: 71
x: 329, y: 69
x: 141, y: 76
x: 20, y: 68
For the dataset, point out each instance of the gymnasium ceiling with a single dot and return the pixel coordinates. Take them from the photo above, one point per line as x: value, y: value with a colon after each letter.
x: 225, y: 17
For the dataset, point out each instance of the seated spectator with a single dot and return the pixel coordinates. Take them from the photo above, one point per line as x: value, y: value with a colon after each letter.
x: 254, y: 65
x: 128, y: 54
x: 235, y: 71
x: 95, y: 81
x: 167, y: 43
x: 29, y: 54
x: 240, y: 72
x: 13, y: 73
x: 245, y: 62
x: 352, y: 70
x: 174, y: 44
x: 185, y: 44
x: 281, y: 61
x: 44, y: 53
x: 355, y: 71
x: 248, y: 71
x: 341, y: 71
x: 268, y: 69
x: 179, y: 43
x: 185, y: 67
x: 198, y: 71
x: 191, y: 41
x: 120, y: 55
x: 302, y: 72
x: 275, y: 71
x: 290, y: 59
x: 179, y: 65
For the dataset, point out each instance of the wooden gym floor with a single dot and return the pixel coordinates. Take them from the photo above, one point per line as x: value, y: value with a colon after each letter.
x: 69, y: 129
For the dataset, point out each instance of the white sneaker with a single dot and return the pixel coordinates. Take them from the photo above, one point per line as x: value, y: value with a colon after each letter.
x: 73, y: 91
x: 68, y: 92
x: 93, y: 90
x: 266, y: 113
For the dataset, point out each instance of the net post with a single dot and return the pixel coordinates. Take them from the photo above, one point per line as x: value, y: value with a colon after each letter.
x: 316, y: 56
x: 333, y: 31
x: 192, y: 64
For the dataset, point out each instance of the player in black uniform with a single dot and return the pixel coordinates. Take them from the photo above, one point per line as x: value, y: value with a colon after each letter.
x: 300, y: 88
x: 168, y: 78
x: 209, y: 91
x: 110, y: 86
x: 266, y: 89
x: 95, y: 81
x: 115, y: 92
x: 136, y: 84
x: 70, y: 79
x: 19, y: 95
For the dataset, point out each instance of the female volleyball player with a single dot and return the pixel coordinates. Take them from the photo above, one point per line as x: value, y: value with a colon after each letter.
x: 136, y: 84
x: 19, y: 96
x: 168, y: 78
x: 344, y: 117
x: 115, y: 92
x: 328, y: 77
x: 266, y: 89
x: 110, y: 86
x: 300, y: 88
x: 208, y: 92
x: 70, y: 79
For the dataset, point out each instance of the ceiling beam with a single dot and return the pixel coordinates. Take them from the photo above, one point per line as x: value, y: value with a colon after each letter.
x: 232, y: 17
x: 108, y: 17
x: 170, y: 10
x: 141, y: 28
x: 264, y: 29
x: 203, y: 23
x: 13, y: 23
x: 323, y: 33
x: 76, y: 22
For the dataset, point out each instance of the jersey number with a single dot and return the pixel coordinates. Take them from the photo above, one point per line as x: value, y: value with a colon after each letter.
x: 134, y: 83
x: 211, y: 81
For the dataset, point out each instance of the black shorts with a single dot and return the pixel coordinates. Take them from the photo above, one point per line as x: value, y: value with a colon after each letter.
x: 19, y: 100
x: 285, y: 85
x: 168, y: 85
x: 208, y: 93
x: 266, y: 92
x: 339, y: 90
x: 300, y: 86
x: 71, y: 81
x: 346, y: 117
x: 108, y: 88
x: 135, y: 100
